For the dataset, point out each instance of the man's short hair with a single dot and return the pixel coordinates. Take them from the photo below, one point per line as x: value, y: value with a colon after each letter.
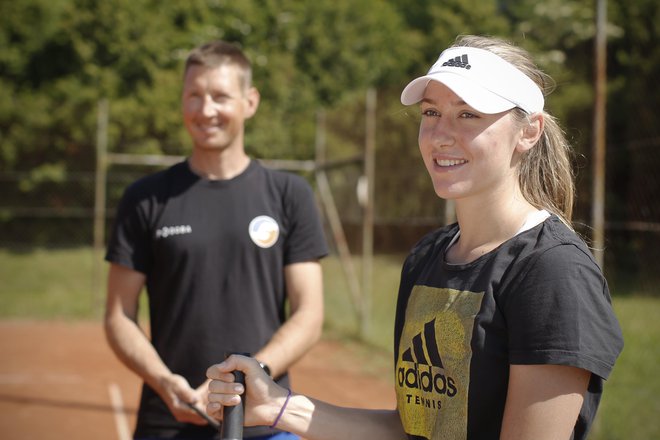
x: 219, y: 53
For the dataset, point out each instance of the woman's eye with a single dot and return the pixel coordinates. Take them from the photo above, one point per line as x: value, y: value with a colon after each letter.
x: 468, y: 115
x: 430, y: 112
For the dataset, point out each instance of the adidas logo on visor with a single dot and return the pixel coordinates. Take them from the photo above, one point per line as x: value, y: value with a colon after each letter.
x: 460, y: 61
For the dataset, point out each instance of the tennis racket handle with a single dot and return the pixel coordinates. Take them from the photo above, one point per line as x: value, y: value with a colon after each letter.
x: 232, y: 425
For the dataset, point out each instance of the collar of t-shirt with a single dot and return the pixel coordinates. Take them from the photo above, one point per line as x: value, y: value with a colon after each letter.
x: 533, y: 219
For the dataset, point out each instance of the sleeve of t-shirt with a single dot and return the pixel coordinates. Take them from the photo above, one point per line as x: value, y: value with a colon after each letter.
x: 129, y: 241
x: 306, y: 240
x: 560, y: 313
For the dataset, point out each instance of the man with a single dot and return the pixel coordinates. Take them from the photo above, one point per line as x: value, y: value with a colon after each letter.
x: 220, y: 243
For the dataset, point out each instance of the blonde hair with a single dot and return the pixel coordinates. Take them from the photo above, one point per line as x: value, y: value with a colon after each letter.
x: 218, y: 53
x: 545, y: 173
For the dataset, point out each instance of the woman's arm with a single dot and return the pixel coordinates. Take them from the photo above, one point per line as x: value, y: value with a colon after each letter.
x: 543, y: 401
x: 310, y: 418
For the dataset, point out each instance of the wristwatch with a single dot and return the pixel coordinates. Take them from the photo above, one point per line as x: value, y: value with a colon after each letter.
x: 265, y: 367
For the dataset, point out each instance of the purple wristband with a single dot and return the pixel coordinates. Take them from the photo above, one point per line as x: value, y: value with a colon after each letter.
x: 279, y: 416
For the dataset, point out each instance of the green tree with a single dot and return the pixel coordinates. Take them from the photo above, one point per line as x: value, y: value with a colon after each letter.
x: 432, y: 26
x: 131, y: 52
x: 58, y: 58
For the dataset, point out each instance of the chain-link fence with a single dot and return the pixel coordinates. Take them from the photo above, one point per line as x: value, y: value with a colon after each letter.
x: 632, y: 245
x: 52, y: 213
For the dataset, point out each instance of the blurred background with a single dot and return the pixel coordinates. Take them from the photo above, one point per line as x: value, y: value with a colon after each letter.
x: 83, y: 83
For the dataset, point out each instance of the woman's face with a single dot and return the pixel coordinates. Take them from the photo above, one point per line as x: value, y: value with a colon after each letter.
x: 468, y: 154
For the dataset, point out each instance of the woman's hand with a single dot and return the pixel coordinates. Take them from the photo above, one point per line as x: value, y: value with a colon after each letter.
x: 263, y: 400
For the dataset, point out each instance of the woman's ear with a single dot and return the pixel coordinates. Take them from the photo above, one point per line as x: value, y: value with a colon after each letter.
x: 531, y: 132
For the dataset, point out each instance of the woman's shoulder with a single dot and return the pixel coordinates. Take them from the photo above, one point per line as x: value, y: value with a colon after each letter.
x: 552, y: 249
x: 435, y: 238
x: 430, y: 244
x: 559, y: 239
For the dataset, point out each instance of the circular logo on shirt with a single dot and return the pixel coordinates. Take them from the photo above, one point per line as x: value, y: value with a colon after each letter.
x: 264, y: 231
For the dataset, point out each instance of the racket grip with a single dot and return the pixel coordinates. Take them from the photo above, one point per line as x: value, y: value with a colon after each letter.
x: 232, y: 416
x: 232, y: 425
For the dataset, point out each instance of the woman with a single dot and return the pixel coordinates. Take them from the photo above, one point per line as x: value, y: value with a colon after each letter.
x: 504, y: 325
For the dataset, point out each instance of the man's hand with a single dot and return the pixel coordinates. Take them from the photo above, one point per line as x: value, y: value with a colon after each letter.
x: 176, y: 392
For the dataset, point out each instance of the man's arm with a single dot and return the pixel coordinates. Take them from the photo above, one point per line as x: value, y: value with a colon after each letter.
x: 543, y: 401
x: 134, y: 349
x: 304, y: 284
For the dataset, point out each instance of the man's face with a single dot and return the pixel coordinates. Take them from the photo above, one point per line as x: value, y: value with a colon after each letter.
x: 215, y: 106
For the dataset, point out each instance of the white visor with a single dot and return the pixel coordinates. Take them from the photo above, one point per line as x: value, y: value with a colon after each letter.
x: 486, y: 82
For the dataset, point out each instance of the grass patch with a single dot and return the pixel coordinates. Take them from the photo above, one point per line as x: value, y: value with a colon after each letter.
x: 58, y: 284
x: 341, y: 317
x: 47, y: 284
x: 630, y: 405
x: 53, y: 284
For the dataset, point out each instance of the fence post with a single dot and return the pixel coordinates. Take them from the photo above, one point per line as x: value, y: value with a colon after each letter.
x: 332, y: 214
x: 368, y: 216
x: 99, y: 202
x: 598, y: 203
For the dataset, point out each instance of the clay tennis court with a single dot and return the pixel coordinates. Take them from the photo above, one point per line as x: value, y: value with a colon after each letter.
x: 61, y: 381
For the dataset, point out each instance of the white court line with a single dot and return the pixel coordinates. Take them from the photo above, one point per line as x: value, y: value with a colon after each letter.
x: 123, y: 431
x: 13, y: 378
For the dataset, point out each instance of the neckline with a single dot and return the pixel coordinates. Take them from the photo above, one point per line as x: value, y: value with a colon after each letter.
x: 533, y: 219
x: 220, y: 182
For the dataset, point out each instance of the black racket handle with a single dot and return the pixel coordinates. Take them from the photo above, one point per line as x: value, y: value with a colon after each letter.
x: 232, y: 416
x: 232, y: 425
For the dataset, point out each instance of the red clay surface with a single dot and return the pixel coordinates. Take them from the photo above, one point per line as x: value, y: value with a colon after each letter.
x: 61, y: 381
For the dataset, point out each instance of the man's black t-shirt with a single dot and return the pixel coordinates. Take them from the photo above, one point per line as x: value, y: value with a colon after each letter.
x: 213, y: 253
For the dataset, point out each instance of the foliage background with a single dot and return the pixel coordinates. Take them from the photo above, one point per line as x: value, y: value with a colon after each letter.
x: 58, y: 58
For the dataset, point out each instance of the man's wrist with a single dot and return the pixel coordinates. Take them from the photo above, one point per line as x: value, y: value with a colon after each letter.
x: 266, y: 368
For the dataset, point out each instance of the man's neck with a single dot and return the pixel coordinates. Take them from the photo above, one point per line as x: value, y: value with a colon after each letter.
x: 218, y: 165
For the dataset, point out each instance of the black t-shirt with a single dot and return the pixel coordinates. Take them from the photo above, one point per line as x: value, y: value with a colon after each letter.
x: 213, y: 253
x: 539, y: 298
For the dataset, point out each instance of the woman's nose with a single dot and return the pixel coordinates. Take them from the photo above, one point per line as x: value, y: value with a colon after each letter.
x: 440, y: 133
